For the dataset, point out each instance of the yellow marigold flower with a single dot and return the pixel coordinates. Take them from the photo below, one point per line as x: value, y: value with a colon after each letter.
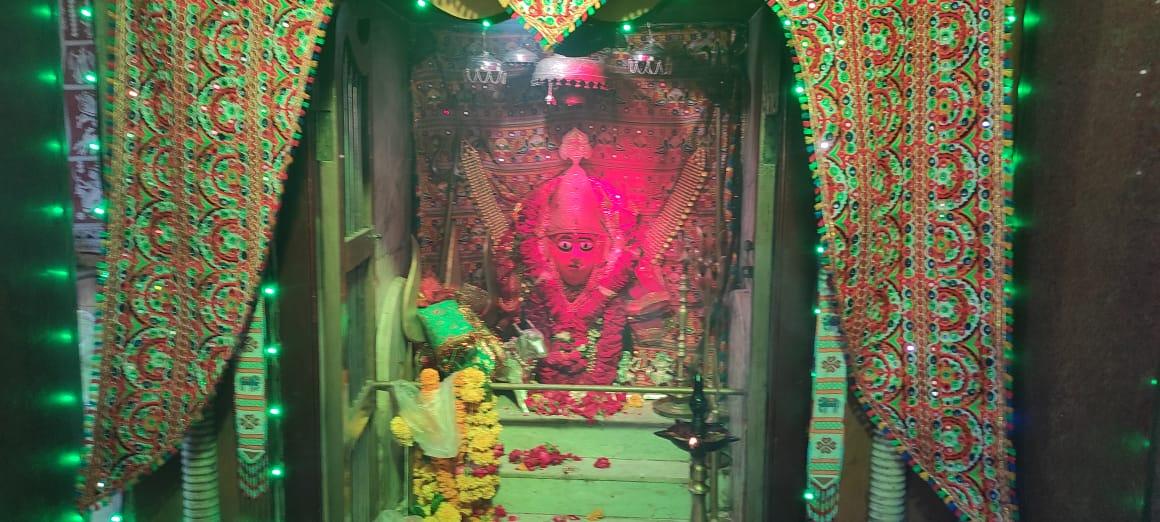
x: 428, y: 380
x: 481, y: 439
x: 596, y: 514
x: 447, y: 512
x: 402, y: 431
x: 469, y: 385
x: 634, y: 401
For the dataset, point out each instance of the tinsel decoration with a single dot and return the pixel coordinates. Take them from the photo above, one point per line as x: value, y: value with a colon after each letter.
x: 250, y: 421
x: 908, y: 126
x: 827, y: 420
x: 203, y: 100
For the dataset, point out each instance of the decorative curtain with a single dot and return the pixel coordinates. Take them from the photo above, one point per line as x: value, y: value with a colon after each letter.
x: 202, y: 106
x: 908, y: 129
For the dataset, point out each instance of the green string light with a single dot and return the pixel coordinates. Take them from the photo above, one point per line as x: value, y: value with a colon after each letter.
x: 91, y: 77
x: 116, y: 518
x: 94, y: 146
x: 277, y: 471
x: 63, y: 336
x: 270, y: 290
x: 809, y: 495
x: 820, y: 249
x: 1024, y: 89
x: 799, y: 89
x: 48, y: 77
x: 86, y: 12
x: 56, y: 273
x: 1154, y: 381
x: 1030, y: 19
x: 421, y: 3
x: 626, y: 27
x: 71, y: 459
x: 53, y: 146
x: 817, y: 311
x: 54, y: 211
x: 786, y: 22
x: 275, y: 411
x: 273, y: 349
x: 42, y: 11
x: 486, y: 24
x: 63, y: 399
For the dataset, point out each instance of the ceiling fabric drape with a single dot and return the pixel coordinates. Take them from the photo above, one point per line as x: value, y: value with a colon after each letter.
x: 908, y: 129
x: 202, y: 106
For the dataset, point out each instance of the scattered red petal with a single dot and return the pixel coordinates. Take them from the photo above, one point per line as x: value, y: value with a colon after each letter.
x: 602, y: 463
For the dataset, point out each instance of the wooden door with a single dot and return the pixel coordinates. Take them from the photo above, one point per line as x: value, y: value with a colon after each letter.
x: 347, y: 245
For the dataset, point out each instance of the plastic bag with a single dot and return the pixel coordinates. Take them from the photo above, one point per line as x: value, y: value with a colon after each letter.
x: 432, y: 418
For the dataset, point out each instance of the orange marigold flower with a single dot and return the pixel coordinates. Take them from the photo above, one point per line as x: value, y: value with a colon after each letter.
x: 428, y: 380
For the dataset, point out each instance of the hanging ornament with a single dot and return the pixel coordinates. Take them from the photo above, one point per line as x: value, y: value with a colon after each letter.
x: 484, y: 69
x: 649, y: 58
x: 562, y: 71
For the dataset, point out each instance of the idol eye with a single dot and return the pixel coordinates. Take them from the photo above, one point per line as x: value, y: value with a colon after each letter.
x: 564, y: 246
x: 585, y: 245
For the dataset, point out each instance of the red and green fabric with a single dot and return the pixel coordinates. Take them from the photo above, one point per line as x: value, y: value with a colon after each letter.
x: 551, y: 20
x: 908, y: 128
x: 202, y: 101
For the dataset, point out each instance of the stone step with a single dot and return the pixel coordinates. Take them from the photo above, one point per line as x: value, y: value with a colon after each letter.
x: 531, y: 517
x: 642, y: 500
x: 619, y: 470
x: 626, y: 435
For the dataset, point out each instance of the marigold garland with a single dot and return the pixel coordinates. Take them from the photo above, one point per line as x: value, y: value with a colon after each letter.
x: 458, y: 488
x: 402, y: 432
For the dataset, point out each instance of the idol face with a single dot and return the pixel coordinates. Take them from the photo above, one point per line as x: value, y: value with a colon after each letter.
x: 576, y: 255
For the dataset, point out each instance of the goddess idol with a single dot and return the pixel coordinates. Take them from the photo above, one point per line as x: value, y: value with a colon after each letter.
x: 578, y: 265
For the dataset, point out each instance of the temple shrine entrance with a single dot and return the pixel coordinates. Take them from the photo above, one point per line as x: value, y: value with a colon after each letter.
x: 586, y: 219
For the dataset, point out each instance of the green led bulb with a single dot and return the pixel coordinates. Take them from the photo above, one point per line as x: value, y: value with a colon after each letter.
x: 421, y: 3
x: 273, y: 349
x: 56, y: 273
x: 70, y: 459
x: 63, y: 399
x: 809, y: 495
x: 486, y: 24
x: 275, y: 411
x: 86, y: 12
x: 54, y: 211
x: 277, y: 471
x: 627, y: 27
x: 63, y: 336
x: 270, y: 290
